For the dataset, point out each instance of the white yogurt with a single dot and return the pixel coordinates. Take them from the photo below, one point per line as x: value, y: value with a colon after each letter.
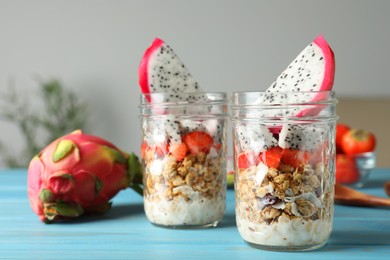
x: 297, y: 232
x: 179, y: 212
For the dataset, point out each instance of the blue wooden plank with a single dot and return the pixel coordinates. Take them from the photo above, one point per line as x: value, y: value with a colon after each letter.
x: 125, y: 233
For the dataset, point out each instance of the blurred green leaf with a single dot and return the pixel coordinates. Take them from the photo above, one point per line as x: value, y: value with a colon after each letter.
x: 62, y: 113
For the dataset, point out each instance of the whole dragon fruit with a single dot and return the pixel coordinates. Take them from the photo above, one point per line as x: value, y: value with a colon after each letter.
x: 78, y: 174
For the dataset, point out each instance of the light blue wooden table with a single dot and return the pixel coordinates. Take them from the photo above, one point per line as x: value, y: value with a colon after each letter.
x: 125, y: 233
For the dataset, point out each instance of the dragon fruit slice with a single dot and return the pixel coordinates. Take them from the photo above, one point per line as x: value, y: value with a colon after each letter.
x: 188, y: 125
x: 256, y: 138
x: 172, y: 127
x: 162, y: 71
x: 290, y: 136
x: 305, y: 137
x: 313, y: 136
x: 312, y: 70
x: 78, y: 174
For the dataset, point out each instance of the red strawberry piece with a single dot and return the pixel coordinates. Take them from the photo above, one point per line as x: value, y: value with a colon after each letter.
x: 144, y: 150
x: 271, y: 157
x: 295, y: 157
x: 198, y: 141
x: 161, y: 150
x: 217, y: 146
x: 179, y: 151
x: 247, y: 159
x: 346, y: 169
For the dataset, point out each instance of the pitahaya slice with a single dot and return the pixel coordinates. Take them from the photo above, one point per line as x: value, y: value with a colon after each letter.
x: 314, y: 135
x: 256, y: 138
x: 172, y: 127
x: 312, y: 70
x: 188, y: 125
x: 290, y: 136
x: 162, y: 71
x: 305, y: 137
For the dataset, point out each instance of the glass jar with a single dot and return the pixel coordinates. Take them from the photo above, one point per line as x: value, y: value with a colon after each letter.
x: 184, y: 158
x: 284, y: 159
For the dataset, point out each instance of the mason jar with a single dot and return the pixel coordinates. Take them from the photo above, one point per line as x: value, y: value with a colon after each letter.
x: 284, y: 159
x: 184, y: 157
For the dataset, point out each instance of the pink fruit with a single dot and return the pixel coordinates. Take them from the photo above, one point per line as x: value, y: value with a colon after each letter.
x: 162, y: 71
x: 79, y: 174
x: 312, y: 70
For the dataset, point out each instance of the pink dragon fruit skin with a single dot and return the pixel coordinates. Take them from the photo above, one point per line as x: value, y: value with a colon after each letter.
x: 162, y: 71
x: 79, y: 174
x: 312, y: 70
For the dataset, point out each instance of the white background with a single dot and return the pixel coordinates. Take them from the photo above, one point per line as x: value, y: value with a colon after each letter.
x: 94, y: 48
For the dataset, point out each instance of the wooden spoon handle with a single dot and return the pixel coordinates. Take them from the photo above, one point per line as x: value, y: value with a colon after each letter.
x: 348, y: 196
x: 373, y: 201
x: 387, y: 188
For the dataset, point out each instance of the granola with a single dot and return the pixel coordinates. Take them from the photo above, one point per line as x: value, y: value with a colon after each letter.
x: 195, y: 172
x: 299, y: 194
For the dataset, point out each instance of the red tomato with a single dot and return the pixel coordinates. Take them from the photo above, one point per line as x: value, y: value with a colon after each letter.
x: 346, y: 169
x: 357, y: 141
x: 341, y: 130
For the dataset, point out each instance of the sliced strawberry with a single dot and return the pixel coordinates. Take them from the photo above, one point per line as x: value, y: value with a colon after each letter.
x: 198, y: 141
x: 161, y: 150
x: 179, y: 151
x: 217, y: 146
x: 295, y: 157
x: 144, y: 150
x: 271, y: 157
x: 247, y: 159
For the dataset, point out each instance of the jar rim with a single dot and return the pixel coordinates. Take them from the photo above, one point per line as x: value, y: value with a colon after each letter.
x: 195, y: 98
x: 288, y: 106
x: 254, y: 92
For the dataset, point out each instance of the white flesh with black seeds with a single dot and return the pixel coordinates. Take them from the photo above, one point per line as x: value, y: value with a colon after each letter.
x: 301, y: 137
x: 255, y: 138
x: 168, y: 74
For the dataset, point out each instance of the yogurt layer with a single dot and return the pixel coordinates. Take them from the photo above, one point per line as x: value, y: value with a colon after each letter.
x: 197, y: 211
x: 295, y: 232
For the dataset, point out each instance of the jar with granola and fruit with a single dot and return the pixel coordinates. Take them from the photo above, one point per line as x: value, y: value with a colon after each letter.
x: 184, y: 157
x: 284, y: 158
